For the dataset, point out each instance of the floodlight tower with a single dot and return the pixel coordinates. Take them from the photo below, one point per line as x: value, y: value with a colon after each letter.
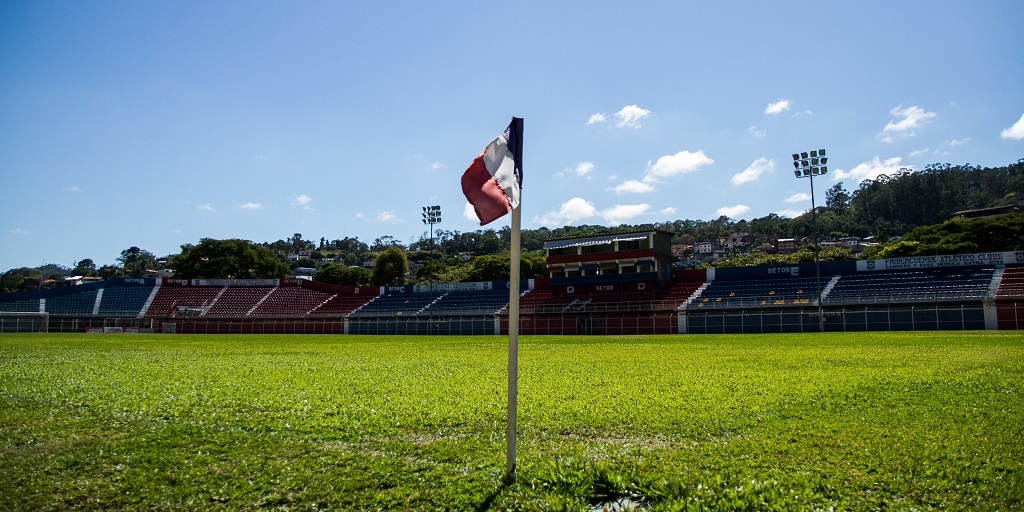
x: 431, y: 216
x: 808, y: 166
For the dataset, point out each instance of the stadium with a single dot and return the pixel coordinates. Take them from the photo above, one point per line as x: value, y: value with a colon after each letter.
x: 603, y: 285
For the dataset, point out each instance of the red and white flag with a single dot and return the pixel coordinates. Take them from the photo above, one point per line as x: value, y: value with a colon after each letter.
x: 494, y: 180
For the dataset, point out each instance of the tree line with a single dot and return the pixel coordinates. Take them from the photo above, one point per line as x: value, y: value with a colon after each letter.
x: 888, y: 206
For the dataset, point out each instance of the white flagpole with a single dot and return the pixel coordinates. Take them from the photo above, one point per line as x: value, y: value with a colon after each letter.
x: 513, y: 350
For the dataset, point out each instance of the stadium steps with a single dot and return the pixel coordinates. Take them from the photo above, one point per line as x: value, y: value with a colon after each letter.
x: 262, y: 299
x: 318, y: 306
x: 828, y: 288
x: 696, y: 293
x: 214, y: 301
x: 997, y: 279
x: 431, y: 303
x: 99, y: 299
x: 149, y: 300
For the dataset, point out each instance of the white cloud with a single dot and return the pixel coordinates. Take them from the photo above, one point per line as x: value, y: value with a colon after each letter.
x: 19, y: 231
x: 778, y: 107
x: 732, y: 211
x: 909, y: 119
x: 680, y: 163
x: 757, y: 132
x: 803, y: 113
x: 597, y: 118
x: 73, y: 188
x: 1015, y: 132
x: 632, y: 187
x: 918, y: 152
x: 870, y: 170
x: 301, y: 200
x: 667, y: 211
x: 359, y: 215
x: 790, y: 213
x: 206, y: 207
x: 571, y: 211
x: 438, y: 166
x: 252, y: 206
x: 584, y: 168
x: 754, y: 171
x: 469, y: 213
x: 798, y: 197
x: 630, y: 116
x: 387, y: 216
x: 959, y: 142
x: 621, y: 213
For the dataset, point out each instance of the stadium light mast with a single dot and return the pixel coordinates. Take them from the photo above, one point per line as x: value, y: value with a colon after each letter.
x: 431, y: 216
x: 808, y: 166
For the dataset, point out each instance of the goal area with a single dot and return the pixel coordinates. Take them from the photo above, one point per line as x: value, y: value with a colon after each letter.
x: 24, y: 322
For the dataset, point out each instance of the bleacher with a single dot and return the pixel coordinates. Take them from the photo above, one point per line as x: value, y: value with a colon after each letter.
x: 237, y: 301
x: 341, y: 304
x: 669, y: 297
x: 124, y: 300
x: 169, y: 298
x: 788, y: 291
x: 1012, y: 284
x: 396, y: 304
x: 74, y: 304
x: 913, y: 285
x: 20, y: 306
x: 470, y: 302
x: 291, y: 301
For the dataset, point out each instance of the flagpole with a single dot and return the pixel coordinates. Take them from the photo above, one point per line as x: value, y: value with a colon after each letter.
x: 513, y: 350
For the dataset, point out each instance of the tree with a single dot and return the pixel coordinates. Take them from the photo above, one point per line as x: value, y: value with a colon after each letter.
x: 384, y: 243
x: 20, y: 280
x: 86, y: 268
x: 390, y: 267
x: 136, y: 261
x: 228, y: 259
x: 837, y: 198
x: 343, y: 275
x: 496, y: 268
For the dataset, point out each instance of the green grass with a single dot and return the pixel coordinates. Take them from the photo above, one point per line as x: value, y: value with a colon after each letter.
x: 860, y: 421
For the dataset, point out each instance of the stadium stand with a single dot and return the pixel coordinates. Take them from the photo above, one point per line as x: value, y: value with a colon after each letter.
x: 169, y: 298
x: 124, y: 300
x: 341, y: 304
x: 928, y: 284
x: 897, y: 294
x: 76, y: 304
x: 20, y: 306
x: 396, y: 304
x: 237, y: 301
x: 759, y: 292
x: 470, y: 302
x: 291, y: 301
x: 1012, y: 283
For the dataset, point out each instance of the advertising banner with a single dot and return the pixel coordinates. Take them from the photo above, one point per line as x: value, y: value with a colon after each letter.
x: 948, y: 260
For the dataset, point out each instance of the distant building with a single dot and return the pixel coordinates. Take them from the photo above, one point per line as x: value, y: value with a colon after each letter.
x: 987, y: 213
x: 785, y: 245
x: 620, y: 253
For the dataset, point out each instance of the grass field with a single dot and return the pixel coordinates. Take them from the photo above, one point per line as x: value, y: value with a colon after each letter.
x: 860, y: 421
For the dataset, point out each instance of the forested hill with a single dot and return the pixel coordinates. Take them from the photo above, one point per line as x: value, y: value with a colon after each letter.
x: 907, y: 200
x: 886, y: 206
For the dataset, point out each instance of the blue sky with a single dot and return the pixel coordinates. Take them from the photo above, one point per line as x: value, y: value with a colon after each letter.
x: 155, y: 124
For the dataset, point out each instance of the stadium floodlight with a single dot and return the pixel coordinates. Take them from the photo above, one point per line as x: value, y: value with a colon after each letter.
x: 431, y: 216
x: 808, y: 164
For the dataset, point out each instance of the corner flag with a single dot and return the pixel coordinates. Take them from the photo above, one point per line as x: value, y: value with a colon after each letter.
x: 494, y: 179
x: 493, y: 184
